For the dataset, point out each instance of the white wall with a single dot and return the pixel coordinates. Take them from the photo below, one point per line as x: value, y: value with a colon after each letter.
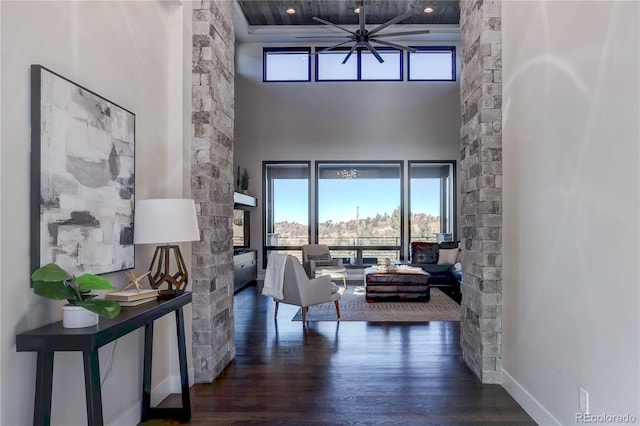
x: 571, y: 239
x: 338, y: 121
x: 121, y: 50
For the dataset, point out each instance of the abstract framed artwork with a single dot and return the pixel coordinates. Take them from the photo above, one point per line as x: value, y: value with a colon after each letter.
x: 82, y: 177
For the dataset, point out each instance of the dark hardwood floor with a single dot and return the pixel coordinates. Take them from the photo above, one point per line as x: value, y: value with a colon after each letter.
x: 351, y: 373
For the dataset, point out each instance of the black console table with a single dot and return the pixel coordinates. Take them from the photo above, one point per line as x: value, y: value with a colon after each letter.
x: 53, y: 337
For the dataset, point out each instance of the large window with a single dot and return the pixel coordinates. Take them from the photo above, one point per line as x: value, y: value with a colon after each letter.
x: 431, y: 201
x: 286, y: 207
x: 359, y: 210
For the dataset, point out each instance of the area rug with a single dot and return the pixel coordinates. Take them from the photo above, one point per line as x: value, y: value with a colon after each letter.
x: 354, y: 307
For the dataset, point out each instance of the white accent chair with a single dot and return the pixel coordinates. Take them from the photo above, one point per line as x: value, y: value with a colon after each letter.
x: 301, y: 291
x: 318, y: 260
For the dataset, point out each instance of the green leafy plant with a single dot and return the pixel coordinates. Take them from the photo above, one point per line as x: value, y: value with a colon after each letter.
x: 53, y: 282
x: 244, y: 180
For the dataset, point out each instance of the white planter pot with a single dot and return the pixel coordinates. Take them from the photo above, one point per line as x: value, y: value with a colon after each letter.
x: 77, y: 317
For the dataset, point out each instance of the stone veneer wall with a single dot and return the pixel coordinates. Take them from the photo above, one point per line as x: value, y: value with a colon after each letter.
x: 481, y: 176
x: 212, y: 186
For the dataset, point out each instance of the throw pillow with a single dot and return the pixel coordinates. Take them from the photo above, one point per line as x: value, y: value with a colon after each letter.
x: 447, y: 256
x: 424, y: 252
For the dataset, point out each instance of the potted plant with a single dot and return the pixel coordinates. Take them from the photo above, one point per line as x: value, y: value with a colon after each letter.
x: 53, y: 282
x: 244, y: 181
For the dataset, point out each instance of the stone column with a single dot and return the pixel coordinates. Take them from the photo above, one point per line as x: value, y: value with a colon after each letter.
x: 481, y: 176
x: 212, y: 187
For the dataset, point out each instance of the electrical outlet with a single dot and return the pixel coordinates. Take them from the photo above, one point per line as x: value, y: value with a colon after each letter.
x: 584, y: 401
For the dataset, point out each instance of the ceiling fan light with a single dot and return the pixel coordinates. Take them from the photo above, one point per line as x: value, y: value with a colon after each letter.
x: 428, y: 9
x: 291, y: 11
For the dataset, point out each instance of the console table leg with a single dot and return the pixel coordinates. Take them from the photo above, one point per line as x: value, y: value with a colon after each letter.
x: 44, y: 387
x: 146, y: 371
x: 92, y: 387
x: 182, y: 357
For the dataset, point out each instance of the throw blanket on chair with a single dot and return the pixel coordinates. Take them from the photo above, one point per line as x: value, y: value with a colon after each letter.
x: 274, y: 276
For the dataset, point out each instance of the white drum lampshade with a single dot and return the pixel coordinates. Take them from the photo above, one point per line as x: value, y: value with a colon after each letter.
x: 165, y: 221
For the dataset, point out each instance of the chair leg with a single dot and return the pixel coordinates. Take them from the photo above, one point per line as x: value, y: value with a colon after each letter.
x: 304, y: 314
x: 337, y: 309
x: 275, y: 315
x: 344, y: 280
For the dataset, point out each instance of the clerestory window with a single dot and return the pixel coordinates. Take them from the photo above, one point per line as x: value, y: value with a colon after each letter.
x: 286, y: 64
x: 433, y: 63
x: 361, y: 65
x: 293, y: 64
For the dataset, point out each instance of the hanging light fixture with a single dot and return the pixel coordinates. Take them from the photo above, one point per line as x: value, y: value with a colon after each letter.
x: 347, y: 174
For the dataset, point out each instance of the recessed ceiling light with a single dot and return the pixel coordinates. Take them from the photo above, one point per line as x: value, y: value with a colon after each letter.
x: 291, y: 11
x: 356, y: 10
x: 428, y: 10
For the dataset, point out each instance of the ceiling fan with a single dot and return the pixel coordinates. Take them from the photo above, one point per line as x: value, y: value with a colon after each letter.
x: 362, y: 37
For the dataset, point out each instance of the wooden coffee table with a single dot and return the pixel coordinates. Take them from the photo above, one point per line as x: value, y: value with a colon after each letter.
x: 407, y: 284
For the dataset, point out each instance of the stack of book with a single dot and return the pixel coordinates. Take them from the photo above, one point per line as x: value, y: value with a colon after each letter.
x: 133, y: 297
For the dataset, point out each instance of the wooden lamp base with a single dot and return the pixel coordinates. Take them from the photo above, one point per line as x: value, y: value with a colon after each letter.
x: 160, y: 263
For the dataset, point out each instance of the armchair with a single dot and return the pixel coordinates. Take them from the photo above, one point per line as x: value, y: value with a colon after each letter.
x: 317, y: 260
x: 299, y: 290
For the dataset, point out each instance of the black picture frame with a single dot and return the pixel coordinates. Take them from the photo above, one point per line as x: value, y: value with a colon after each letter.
x: 82, y: 177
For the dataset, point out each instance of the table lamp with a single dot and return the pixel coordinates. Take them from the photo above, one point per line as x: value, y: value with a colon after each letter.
x: 162, y: 222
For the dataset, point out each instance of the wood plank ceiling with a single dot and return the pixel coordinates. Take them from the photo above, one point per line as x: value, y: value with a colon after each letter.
x: 341, y: 12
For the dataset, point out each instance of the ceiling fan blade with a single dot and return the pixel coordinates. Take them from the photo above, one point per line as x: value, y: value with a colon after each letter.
x: 332, y: 24
x: 361, y: 18
x: 390, y: 22
x: 349, y: 54
x: 373, y: 51
x: 324, y: 37
x: 394, y: 45
x: 331, y: 47
x: 404, y: 33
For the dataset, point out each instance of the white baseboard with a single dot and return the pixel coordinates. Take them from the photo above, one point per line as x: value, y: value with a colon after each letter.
x: 539, y: 414
x: 159, y: 392
x: 130, y: 417
x: 175, y: 386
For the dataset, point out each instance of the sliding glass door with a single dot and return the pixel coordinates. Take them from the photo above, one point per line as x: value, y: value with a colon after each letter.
x: 359, y: 210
